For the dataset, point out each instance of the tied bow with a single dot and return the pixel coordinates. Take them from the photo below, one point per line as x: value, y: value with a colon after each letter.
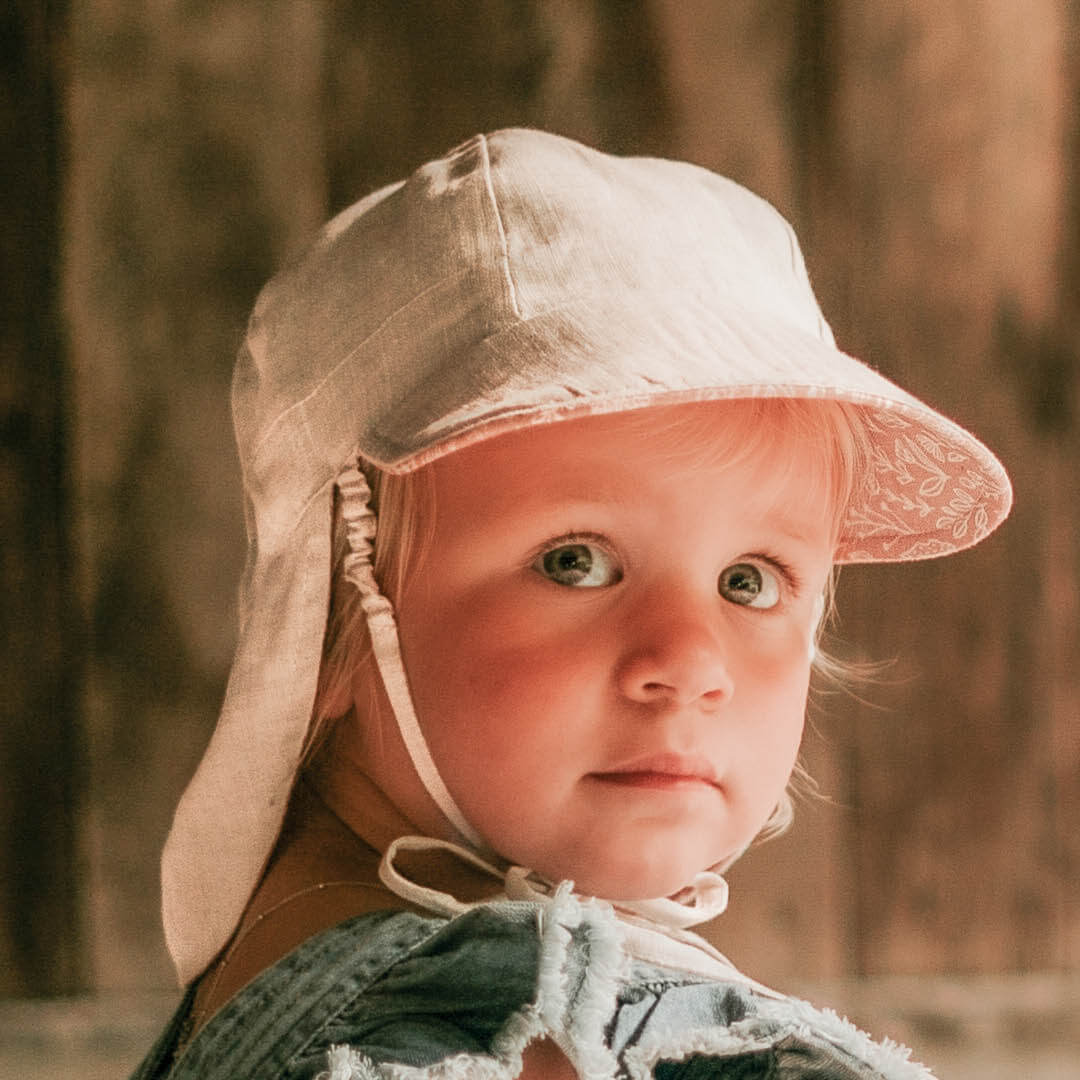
x: 653, y: 931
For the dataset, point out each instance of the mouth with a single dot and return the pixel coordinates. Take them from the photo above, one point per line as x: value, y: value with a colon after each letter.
x: 671, y: 772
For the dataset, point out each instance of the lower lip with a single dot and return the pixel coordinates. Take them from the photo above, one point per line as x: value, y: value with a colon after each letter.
x: 654, y: 781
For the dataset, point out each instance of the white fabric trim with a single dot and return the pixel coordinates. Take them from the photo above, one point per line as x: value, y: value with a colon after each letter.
x: 891, y: 1059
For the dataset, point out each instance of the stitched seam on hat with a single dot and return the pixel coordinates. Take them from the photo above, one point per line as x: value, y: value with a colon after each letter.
x: 348, y: 357
x: 502, y: 231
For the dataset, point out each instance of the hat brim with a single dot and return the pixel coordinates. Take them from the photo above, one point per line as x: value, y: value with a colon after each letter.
x: 932, y: 487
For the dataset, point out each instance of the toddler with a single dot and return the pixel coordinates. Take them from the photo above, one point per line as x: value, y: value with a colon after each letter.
x: 549, y: 457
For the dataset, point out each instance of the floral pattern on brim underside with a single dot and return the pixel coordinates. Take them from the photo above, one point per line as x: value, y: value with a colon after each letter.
x: 924, y: 495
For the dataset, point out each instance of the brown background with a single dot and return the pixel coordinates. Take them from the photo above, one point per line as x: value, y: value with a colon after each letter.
x: 162, y: 159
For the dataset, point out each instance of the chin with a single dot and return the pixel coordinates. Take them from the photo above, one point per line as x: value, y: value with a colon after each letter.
x: 641, y: 878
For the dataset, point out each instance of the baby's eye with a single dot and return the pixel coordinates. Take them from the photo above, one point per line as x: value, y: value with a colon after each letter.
x: 583, y: 566
x: 750, y: 585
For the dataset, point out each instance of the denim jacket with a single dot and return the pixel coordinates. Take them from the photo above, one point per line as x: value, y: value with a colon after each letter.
x: 393, y: 995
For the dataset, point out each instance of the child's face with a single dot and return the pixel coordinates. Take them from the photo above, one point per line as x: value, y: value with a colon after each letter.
x: 608, y: 647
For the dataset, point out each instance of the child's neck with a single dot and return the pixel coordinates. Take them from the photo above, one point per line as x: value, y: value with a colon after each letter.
x: 357, y: 803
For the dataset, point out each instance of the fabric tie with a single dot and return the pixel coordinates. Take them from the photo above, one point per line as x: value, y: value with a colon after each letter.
x: 652, y: 931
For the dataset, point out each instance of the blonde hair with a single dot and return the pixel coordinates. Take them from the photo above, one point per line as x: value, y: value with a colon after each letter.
x: 405, y: 509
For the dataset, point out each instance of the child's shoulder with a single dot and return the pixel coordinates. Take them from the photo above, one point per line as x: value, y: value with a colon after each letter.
x: 390, y: 988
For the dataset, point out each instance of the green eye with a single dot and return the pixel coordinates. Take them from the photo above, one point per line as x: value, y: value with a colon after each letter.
x: 749, y: 585
x: 582, y: 566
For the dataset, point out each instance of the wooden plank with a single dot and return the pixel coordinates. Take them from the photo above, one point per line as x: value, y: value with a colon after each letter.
x: 41, y: 749
x: 407, y: 82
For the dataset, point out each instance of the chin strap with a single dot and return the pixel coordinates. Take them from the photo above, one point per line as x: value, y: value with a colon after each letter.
x: 704, y: 898
x: 360, y: 526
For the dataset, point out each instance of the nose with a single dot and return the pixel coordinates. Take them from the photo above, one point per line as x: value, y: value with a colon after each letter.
x: 677, y: 655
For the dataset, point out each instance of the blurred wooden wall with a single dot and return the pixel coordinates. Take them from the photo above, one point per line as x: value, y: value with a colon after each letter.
x: 41, y: 645
x: 926, y: 155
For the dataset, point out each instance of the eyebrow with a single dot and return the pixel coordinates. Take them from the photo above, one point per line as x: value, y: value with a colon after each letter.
x: 609, y: 496
x: 795, y: 535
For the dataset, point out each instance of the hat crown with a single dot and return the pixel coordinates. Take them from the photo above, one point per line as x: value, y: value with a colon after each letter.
x: 579, y: 223
x: 380, y: 327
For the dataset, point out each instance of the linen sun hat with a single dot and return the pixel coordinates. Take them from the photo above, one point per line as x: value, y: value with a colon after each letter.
x: 520, y: 279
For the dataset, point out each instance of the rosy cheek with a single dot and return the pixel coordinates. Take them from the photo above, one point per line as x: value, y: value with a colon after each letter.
x: 513, y: 678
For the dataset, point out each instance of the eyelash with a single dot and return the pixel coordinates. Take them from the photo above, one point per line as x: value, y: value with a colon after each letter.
x: 574, y: 538
x: 791, y: 579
